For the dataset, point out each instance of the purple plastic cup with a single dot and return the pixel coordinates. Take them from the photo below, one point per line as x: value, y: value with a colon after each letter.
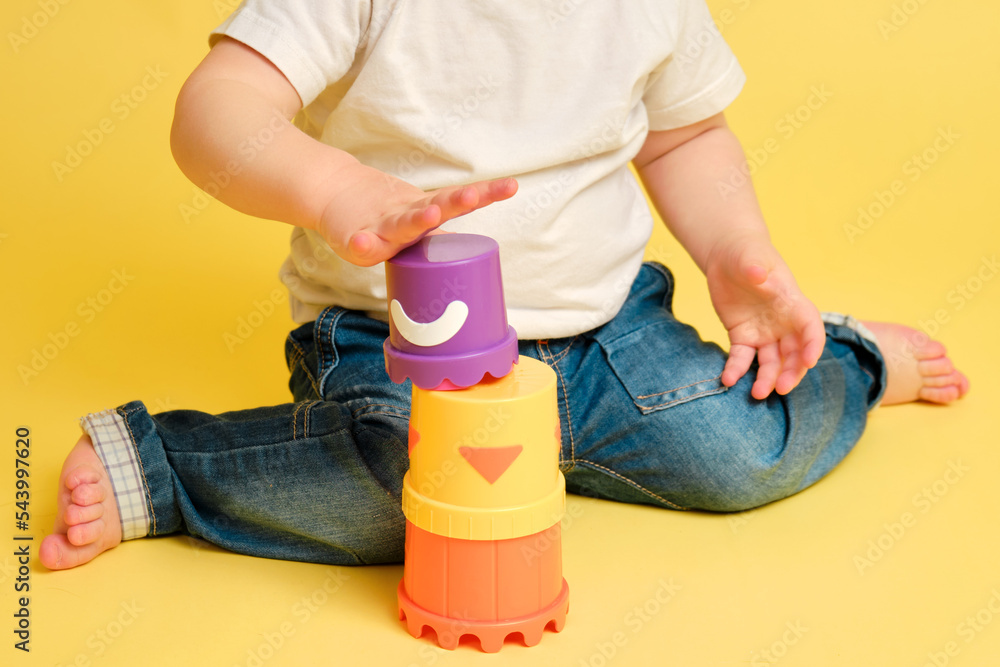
x: 447, y: 320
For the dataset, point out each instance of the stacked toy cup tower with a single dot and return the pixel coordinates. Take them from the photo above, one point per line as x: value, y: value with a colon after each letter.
x: 484, y: 496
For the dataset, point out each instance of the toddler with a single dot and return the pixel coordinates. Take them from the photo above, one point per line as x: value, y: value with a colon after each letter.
x: 367, y: 124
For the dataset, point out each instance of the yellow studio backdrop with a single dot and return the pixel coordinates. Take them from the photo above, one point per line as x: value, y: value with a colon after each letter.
x: 870, y: 128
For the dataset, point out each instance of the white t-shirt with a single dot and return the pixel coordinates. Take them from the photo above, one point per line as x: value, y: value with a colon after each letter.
x: 557, y: 93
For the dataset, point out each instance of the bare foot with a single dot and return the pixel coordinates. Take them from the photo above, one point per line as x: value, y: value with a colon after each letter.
x: 919, y: 369
x: 87, y: 523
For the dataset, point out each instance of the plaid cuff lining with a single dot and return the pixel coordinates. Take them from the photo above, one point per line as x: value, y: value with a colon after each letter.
x: 116, y: 450
x: 839, y: 319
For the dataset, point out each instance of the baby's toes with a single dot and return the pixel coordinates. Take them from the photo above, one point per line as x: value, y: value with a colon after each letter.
x: 82, y: 474
x: 953, y: 379
x: 85, y: 533
x: 87, y: 494
x: 77, y: 514
x: 940, y: 394
x: 936, y: 367
x: 926, y: 349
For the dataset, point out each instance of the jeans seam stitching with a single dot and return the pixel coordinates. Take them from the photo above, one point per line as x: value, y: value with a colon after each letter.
x: 383, y: 405
x: 321, y: 328
x: 795, y: 429
x: 298, y: 357
x: 639, y: 398
x: 295, y: 421
x: 668, y: 297
x: 142, y: 469
x: 312, y: 381
x: 376, y: 481
x: 682, y: 399
x: 334, y: 356
x: 633, y: 483
x: 296, y: 350
x: 569, y: 418
x: 566, y: 351
x: 382, y: 412
x: 305, y: 425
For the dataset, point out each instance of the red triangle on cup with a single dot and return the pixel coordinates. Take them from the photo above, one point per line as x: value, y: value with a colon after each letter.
x: 412, y: 440
x: 490, y: 462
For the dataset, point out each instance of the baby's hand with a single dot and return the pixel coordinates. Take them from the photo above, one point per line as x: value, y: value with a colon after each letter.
x: 766, y: 314
x: 375, y: 215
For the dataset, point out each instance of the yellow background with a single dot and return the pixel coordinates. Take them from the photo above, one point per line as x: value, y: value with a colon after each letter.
x: 743, y: 577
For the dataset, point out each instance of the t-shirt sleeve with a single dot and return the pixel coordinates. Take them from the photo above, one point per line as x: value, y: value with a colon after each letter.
x: 700, y: 78
x: 312, y: 42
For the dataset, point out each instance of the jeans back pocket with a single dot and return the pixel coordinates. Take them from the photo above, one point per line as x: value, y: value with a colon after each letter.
x: 665, y: 363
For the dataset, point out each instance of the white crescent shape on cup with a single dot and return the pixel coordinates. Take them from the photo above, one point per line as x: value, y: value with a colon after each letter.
x: 429, y: 334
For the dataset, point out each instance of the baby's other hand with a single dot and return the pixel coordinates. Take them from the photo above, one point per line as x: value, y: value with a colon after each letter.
x: 375, y: 215
x: 767, y: 316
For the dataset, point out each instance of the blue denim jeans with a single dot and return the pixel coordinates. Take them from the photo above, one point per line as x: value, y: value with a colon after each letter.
x: 644, y: 416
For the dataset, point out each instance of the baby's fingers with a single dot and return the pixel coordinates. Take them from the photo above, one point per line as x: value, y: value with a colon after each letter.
x: 738, y: 363
x: 448, y: 203
x: 799, y: 354
x: 454, y: 202
x: 813, y: 341
x: 792, y: 373
x: 767, y: 371
x: 366, y: 248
